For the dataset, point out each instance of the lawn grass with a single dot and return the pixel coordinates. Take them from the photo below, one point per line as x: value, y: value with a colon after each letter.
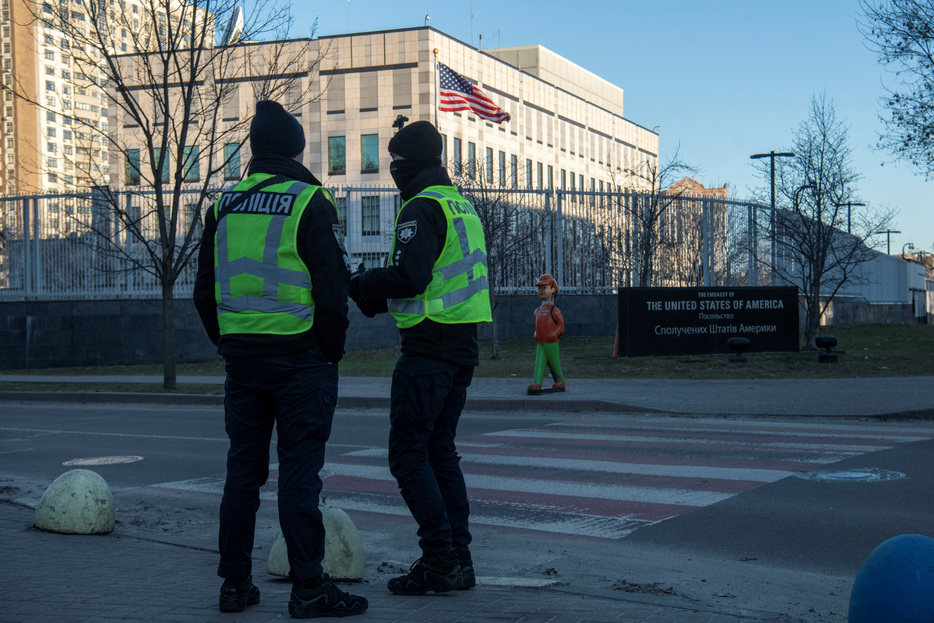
x: 864, y: 351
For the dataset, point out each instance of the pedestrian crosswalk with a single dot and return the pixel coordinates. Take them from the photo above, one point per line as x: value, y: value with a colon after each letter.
x: 606, y: 477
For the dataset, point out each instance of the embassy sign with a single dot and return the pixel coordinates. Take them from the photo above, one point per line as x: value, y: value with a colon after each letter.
x: 685, y: 321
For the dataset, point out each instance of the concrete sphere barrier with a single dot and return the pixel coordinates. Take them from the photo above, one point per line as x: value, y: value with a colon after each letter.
x: 77, y: 502
x: 895, y: 583
x: 343, y: 549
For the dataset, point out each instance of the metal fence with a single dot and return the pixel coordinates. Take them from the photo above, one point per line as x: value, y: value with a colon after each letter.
x: 73, y: 246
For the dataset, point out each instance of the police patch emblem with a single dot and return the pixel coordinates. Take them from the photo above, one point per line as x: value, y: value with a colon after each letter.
x: 406, y: 231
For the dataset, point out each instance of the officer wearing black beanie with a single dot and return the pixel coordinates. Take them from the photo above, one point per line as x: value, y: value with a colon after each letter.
x: 439, y: 351
x: 271, y: 291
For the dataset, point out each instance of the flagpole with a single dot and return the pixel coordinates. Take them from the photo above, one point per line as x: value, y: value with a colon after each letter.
x: 437, y: 92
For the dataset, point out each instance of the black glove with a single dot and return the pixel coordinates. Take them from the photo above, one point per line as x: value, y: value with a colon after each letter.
x: 355, y: 280
x: 369, y: 307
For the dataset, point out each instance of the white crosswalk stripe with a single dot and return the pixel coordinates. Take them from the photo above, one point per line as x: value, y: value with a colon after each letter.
x: 610, y: 476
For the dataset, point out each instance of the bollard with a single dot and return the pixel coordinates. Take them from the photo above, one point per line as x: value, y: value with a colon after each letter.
x: 826, y: 342
x: 77, y: 502
x: 896, y: 583
x: 343, y: 549
x: 738, y: 345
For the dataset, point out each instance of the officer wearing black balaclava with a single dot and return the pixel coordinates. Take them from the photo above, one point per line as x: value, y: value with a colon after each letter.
x: 435, y: 286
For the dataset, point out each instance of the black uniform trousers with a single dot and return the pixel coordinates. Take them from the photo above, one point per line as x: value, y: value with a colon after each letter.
x: 296, y: 393
x: 426, y: 401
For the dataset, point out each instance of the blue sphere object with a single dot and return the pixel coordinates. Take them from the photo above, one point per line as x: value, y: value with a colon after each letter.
x: 896, y: 583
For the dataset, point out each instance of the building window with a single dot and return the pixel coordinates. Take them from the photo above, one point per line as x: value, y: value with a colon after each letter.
x: 551, y: 177
x: 528, y: 174
x: 49, y: 55
x: 488, y: 165
x: 132, y: 167
x: 192, y: 170
x: 369, y: 153
x: 539, y: 176
x: 50, y: 132
x: 164, y: 173
x: 564, y: 179
x: 572, y: 182
x: 232, y: 161
x: 369, y: 208
x: 337, y: 155
x: 457, y: 156
x: 502, y: 168
x: 444, y: 148
x: 51, y: 147
x: 49, y: 85
x: 471, y: 160
x: 514, y: 171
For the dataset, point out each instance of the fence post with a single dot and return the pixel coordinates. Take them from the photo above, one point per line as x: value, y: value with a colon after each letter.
x: 752, y: 246
x: 706, y: 214
x: 36, y: 247
x: 549, y: 218
x: 559, y: 241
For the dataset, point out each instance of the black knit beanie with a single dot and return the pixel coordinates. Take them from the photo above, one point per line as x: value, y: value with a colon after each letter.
x: 275, y: 131
x: 417, y: 141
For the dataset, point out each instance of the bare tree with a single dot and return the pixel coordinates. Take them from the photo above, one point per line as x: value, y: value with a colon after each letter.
x: 901, y: 32
x: 649, y: 210
x: 812, y: 247
x: 514, y: 225
x: 174, y: 119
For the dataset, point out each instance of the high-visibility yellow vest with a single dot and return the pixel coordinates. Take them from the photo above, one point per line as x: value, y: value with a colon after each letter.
x: 261, y: 285
x: 459, y: 288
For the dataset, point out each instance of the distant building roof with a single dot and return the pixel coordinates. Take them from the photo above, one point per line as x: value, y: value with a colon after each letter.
x: 692, y: 188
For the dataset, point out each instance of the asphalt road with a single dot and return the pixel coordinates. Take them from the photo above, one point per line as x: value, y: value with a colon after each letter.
x: 765, y: 542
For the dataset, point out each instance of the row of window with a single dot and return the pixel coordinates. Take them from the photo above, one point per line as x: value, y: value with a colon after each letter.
x: 369, y: 154
x: 191, y: 168
x: 495, y: 171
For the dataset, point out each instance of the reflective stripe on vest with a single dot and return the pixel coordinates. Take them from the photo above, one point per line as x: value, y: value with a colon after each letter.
x: 268, y: 214
x: 463, y: 304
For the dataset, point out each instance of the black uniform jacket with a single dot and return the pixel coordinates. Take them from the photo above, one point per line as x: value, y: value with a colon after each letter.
x: 328, y: 265
x: 410, y: 274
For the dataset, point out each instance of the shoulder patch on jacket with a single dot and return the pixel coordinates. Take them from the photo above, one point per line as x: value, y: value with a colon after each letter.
x: 406, y: 231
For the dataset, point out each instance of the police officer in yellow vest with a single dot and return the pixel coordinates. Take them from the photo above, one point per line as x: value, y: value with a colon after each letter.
x: 272, y: 291
x: 436, y: 289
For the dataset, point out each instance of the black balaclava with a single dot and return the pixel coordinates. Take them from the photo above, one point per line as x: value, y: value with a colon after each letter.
x: 420, y: 146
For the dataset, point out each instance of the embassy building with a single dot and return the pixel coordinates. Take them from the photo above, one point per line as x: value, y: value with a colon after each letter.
x: 566, y: 129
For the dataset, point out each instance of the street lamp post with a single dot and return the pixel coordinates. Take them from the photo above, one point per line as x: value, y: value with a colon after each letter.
x: 772, y: 155
x: 888, y: 238
x: 907, y: 245
x: 849, y: 213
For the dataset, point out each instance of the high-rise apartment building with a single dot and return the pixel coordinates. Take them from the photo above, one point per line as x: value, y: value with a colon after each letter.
x: 55, y: 107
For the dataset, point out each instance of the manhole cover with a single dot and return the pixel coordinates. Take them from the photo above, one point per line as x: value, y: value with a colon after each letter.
x: 103, y: 460
x: 858, y: 474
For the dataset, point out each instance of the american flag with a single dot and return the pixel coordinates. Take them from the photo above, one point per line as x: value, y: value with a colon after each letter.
x: 458, y: 94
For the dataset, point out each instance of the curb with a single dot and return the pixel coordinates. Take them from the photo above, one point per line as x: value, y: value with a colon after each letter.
x: 476, y: 404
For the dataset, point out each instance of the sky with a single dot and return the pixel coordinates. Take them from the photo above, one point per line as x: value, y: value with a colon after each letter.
x: 724, y: 79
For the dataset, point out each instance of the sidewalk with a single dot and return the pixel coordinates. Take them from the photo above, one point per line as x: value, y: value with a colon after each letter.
x: 890, y: 397
x: 55, y: 578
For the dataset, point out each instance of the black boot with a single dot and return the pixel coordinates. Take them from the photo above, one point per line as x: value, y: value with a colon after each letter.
x: 236, y: 595
x: 321, y: 598
x: 466, y: 563
x: 437, y: 573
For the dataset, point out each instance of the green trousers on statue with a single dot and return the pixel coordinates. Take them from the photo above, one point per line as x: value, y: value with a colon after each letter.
x: 547, y: 354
